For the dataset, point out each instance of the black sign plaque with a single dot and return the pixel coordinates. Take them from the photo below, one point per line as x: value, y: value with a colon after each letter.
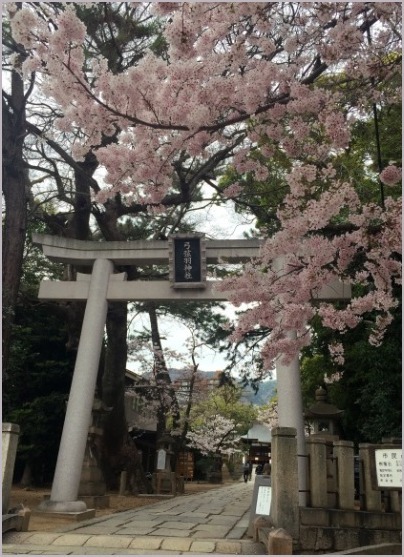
x: 187, y: 261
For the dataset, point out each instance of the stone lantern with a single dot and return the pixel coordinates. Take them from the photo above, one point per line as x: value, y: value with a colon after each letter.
x: 164, y: 480
x: 92, y: 488
x: 165, y: 452
x: 323, y: 417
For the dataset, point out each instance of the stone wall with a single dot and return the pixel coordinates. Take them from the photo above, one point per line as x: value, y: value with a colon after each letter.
x: 332, y: 520
x: 330, y: 530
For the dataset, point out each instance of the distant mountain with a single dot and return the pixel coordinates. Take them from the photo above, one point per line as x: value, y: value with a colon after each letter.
x: 266, y: 389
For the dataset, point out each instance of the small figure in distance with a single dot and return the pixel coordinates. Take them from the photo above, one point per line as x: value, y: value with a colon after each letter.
x: 266, y: 470
x: 246, y: 471
x: 258, y: 469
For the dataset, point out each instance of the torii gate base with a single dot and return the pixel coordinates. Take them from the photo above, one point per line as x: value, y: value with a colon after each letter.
x: 104, y: 286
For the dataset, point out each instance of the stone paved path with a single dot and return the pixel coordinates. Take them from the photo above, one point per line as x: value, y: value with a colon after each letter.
x: 213, y: 522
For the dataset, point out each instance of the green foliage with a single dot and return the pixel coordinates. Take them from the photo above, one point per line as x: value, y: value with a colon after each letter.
x: 37, y: 386
x: 203, y: 465
x: 120, y: 32
x: 313, y: 370
x: 261, y: 198
x: 360, y: 163
x: 225, y: 401
x: 369, y: 390
x: 41, y: 423
x: 38, y: 382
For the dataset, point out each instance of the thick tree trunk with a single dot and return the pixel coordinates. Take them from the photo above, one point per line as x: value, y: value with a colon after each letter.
x: 79, y: 226
x: 113, y: 389
x: 188, y: 408
x: 168, y: 400
x: 168, y: 403
x: 14, y: 184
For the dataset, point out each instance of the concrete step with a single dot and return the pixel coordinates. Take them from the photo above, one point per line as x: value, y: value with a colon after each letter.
x: 56, y: 543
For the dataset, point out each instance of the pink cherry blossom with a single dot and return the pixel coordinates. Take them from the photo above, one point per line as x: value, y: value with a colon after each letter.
x: 240, y: 77
x: 337, y: 353
x: 217, y: 435
x: 390, y: 175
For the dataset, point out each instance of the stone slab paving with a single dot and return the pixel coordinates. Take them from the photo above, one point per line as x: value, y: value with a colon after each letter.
x: 236, y: 534
x: 165, y: 532
x: 212, y: 530
x: 214, y: 522
x: 134, y: 530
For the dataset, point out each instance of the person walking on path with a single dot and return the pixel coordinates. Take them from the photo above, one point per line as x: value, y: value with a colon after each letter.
x: 246, y: 471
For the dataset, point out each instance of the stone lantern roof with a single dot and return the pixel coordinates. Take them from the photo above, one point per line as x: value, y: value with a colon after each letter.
x: 322, y: 417
x: 321, y: 408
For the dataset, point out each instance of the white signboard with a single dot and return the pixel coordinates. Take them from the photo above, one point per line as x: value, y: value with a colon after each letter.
x: 389, y: 468
x: 161, y: 459
x: 263, y: 500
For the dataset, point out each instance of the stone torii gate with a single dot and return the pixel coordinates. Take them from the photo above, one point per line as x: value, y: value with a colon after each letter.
x: 185, y: 253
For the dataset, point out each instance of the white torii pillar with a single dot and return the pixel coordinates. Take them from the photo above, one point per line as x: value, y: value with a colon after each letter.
x: 290, y: 402
x: 290, y: 413
x: 69, y: 463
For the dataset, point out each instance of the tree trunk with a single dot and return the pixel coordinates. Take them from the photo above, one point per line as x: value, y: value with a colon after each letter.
x: 79, y: 226
x: 168, y: 403
x: 15, y: 183
x: 188, y: 408
x: 113, y: 389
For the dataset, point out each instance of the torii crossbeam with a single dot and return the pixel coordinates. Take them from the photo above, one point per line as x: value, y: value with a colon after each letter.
x: 103, y: 286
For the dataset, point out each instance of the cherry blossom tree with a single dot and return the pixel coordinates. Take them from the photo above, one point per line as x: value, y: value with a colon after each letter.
x: 237, y: 77
x: 173, y: 393
x: 119, y: 33
x: 268, y: 414
x: 223, y: 406
x: 217, y: 424
x: 216, y: 436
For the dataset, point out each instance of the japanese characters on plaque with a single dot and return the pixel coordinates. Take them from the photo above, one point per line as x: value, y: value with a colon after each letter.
x: 263, y: 505
x: 389, y: 468
x: 187, y: 261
